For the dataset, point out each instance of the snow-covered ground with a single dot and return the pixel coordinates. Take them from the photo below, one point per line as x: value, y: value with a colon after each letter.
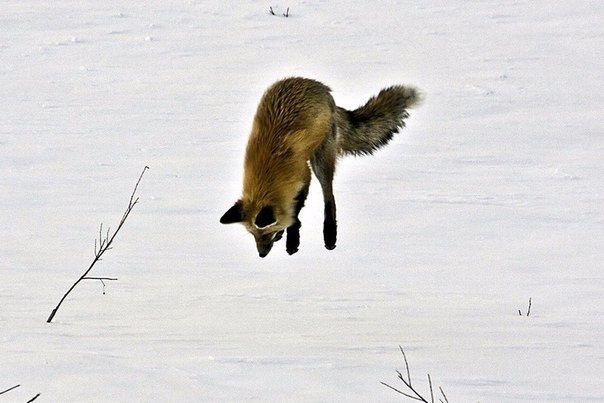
x: 492, y: 195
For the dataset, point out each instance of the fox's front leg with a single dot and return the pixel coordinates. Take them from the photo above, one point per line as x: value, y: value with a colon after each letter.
x: 293, y: 231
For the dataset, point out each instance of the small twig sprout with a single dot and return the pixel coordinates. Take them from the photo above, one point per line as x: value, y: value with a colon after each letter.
x: 272, y: 12
x: 528, y: 311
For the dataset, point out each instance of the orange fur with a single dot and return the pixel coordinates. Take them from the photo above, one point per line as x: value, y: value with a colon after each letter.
x: 292, y: 120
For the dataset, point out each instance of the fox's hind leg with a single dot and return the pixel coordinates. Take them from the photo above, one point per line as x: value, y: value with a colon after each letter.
x: 323, y: 163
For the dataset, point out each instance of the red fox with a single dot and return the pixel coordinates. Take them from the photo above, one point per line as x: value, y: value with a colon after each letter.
x: 297, y: 121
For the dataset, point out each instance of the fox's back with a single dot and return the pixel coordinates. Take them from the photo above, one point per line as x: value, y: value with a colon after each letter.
x: 293, y: 104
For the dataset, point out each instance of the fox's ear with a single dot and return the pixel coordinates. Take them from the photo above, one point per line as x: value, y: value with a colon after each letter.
x: 233, y: 215
x: 265, y: 217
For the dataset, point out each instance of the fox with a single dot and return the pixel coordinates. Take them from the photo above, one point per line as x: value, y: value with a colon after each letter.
x: 298, y: 128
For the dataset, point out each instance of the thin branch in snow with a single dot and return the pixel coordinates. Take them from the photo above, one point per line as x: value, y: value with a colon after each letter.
x: 104, y: 244
x: 528, y: 311
x: 33, y: 398
x: 442, y: 392
x: 102, y: 280
x: 9, y: 389
x: 15, y: 387
x: 412, y: 393
x: 398, y: 391
x: 406, y: 364
x: 272, y: 12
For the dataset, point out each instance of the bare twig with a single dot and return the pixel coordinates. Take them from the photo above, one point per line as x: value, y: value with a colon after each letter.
x: 398, y: 391
x: 528, y: 312
x: 414, y: 395
x: 102, y: 280
x: 15, y: 387
x: 442, y: 392
x: 272, y: 12
x: 33, y: 398
x: 9, y: 389
x: 104, y: 246
x: 406, y: 364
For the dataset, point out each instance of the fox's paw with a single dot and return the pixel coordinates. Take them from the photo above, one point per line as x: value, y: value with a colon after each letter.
x: 278, y: 236
x: 329, y: 236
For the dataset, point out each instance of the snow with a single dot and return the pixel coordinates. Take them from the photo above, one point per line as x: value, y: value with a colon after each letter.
x: 492, y: 195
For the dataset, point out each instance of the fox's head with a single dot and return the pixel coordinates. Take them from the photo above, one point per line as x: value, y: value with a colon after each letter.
x: 266, y: 224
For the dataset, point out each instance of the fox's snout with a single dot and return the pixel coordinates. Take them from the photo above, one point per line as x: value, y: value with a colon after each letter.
x: 264, y: 247
x: 264, y: 243
x: 264, y: 253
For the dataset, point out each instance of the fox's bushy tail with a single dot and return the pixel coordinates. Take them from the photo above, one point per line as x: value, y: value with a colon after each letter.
x: 366, y: 129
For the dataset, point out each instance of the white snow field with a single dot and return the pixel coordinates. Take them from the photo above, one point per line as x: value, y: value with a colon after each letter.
x: 492, y: 195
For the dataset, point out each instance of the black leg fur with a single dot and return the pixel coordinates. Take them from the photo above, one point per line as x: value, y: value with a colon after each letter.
x: 330, y: 226
x: 293, y: 231
x: 323, y: 163
x: 293, y: 238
